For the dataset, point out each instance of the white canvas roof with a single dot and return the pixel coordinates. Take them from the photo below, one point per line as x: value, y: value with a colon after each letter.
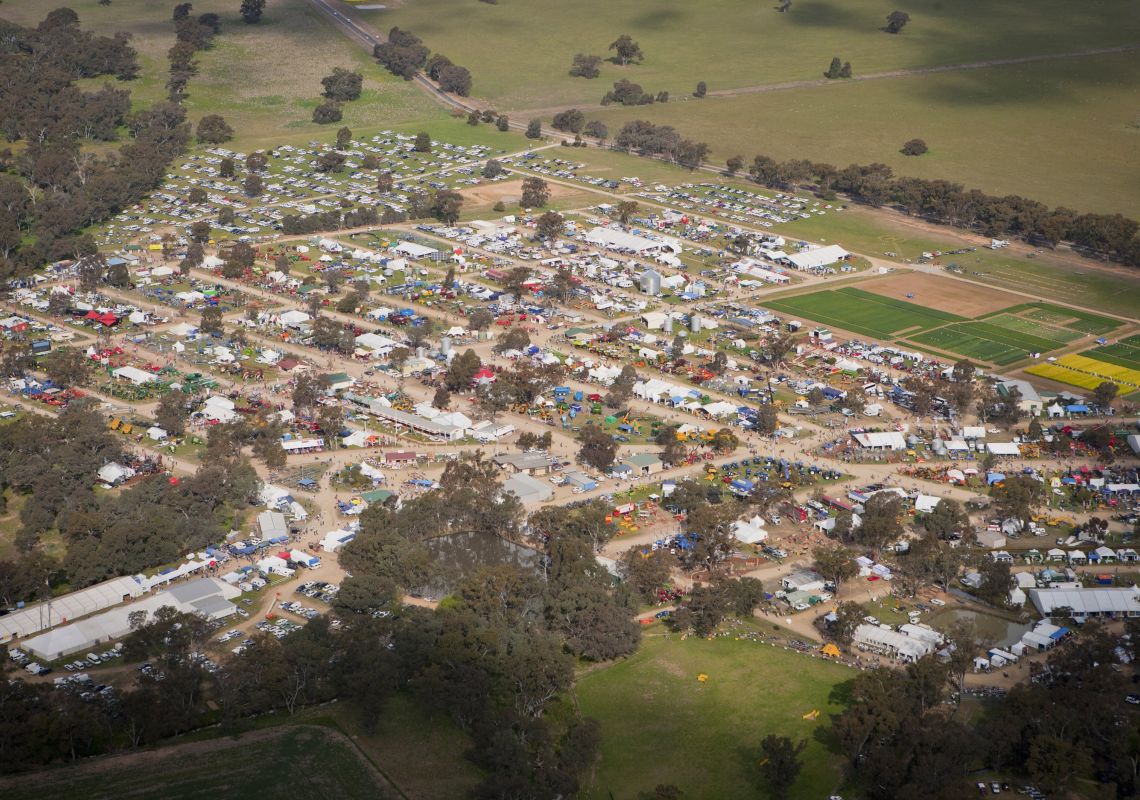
x: 71, y: 606
x: 819, y: 257
x: 888, y: 440
x: 293, y: 317
x: 413, y: 250
x: 1003, y: 448
x: 134, y: 375
x: 1110, y: 600
x: 620, y: 240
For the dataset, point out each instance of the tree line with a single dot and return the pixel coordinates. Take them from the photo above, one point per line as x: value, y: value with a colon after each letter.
x: 1111, y: 236
x: 53, y: 189
x: 404, y: 54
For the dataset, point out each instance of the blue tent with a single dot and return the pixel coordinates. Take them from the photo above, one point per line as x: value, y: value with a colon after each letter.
x: 994, y: 477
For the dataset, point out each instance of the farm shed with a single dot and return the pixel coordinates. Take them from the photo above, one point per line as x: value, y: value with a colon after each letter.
x: 528, y: 489
x: 645, y: 463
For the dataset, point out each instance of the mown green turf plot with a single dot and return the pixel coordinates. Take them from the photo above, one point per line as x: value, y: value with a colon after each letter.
x: 862, y: 312
x: 986, y: 341
x: 1019, y: 324
x: 957, y: 339
x: 1071, y: 318
x: 660, y: 725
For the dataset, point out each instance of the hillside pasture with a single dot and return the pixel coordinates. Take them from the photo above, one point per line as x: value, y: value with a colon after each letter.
x: 728, y: 44
x: 986, y: 128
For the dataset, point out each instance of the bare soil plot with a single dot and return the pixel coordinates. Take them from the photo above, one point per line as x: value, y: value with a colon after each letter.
x: 943, y: 294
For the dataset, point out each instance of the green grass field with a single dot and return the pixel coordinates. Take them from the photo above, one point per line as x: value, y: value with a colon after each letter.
x: 861, y: 312
x: 660, y: 725
x: 291, y: 763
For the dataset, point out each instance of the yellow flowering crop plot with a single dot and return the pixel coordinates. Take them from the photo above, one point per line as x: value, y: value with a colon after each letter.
x: 1125, y: 376
x: 1063, y: 375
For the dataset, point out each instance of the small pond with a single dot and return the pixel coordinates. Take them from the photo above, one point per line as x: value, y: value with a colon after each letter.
x: 997, y: 631
x: 459, y: 554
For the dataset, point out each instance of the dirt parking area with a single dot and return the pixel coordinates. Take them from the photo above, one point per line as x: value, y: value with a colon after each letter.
x: 942, y: 294
x: 510, y: 191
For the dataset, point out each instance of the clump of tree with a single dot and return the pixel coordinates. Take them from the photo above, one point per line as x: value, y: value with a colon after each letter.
x: 54, y: 191
x: 327, y: 113
x: 648, y: 138
x: 914, y: 147
x: 1010, y: 216
x: 535, y: 193
x: 251, y: 11
x: 702, y: 89
x: 626, y: 50
x: 838, y: 69
x: 342, y: 85
x: 534, y: 129
x: 571, y: 120
x: 333, y: 219
x: 213, y: 129
x: 586, y: 66
x: 404, y: 53
x: 896, y: 21
x: 455, y: 79
x: 627, y: 93
x: 598, y: 448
